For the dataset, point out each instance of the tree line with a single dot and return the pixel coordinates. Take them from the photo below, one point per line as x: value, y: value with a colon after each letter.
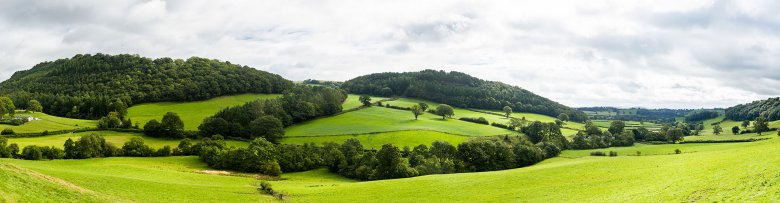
x: 351, y: 159
x: 459, y: 90
x: 769, y: 109
x: 105, y: 79
x: 700, y: 116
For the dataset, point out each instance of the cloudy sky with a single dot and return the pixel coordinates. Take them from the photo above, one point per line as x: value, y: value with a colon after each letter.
x: 677, y: 54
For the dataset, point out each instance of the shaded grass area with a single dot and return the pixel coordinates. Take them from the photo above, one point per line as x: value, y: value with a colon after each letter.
x: 191, y: 113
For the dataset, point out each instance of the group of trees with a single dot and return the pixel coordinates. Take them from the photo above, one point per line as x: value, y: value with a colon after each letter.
x: 459, y: 90
x: 85, y: 147
x: 769, y: 109
x: 171, y: 127
x: 351, y: 159
x: 635, y: 114
x: 701, y: 115
x: 102, y: 79
x: 615, y: 136
x: 267, y: 118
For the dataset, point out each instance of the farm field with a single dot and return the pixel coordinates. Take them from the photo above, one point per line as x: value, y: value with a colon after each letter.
x: 122, y: 179
x: 49, y: 123
x: 410, y: 138
x: 353, y: 101
x: 16, y: 182
x: 728, y: 124
x: 657, y: 176
x: 629, y: 124
x: 116, y: 138
x: 380, y: 119
x: 191, y: 113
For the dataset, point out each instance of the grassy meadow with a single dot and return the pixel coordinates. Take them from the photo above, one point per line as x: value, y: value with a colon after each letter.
x: 116, y: 138
x: 123, y: 179
x: 380, y: 119
x: 353, y: 101
x: 410, y: 138
x: 191, y: 113
x: 48, y: 122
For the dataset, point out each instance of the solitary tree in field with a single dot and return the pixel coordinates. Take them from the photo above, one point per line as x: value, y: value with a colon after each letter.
x: 760, y: 125
x: 717, y: 129
x: 745, y: 124
x: 366, y: 100
x: 563, y: 117
x: 34, y: 106
x: 507, y: 111
x: 445, y: 111
x: 417, y: 110
x: 735, y: 130
x: 423, y: 106
x: 675, y: 135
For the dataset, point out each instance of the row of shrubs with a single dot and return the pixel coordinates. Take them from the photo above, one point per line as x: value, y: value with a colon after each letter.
x: 480, y: 120
x: 397, y: 107
x: 90, y: 146
x: 8, y: 132
x: 600, y: 153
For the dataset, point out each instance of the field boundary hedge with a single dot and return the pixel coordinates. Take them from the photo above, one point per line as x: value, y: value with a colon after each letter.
x: 60, y: 132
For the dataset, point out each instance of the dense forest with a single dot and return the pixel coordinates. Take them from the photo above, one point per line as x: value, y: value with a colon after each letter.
x: 458, y: 89
x: 700, y: 116
x: 89, y: 86
x: 769, y: 109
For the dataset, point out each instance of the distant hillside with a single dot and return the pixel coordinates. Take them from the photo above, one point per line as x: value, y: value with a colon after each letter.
x: 635, y: 114
x: 769, y: 108
x: 458, y: 89
x: 88, y: 86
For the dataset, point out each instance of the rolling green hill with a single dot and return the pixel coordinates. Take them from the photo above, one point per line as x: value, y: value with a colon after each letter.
x: 87, y: 86
x: 191, y: 113
x: 49, y: 123
x: 23, y: 185
x: 459, y: 90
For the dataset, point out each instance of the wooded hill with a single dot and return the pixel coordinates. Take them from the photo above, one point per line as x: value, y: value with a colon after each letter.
x: 769, y: 109
x: 460, y: 90
x: 88, y: 86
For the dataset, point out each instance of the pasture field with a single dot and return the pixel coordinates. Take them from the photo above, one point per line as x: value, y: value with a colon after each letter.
x: 16, y: 184
x: 191, y: 113
x: 353, y: 101
x: 116, y: 138
x: 124, y: 179
x: 460, y: 112
x: 380, y: 119
x: 49, y: 123
x: 728, y: 124
x: 629, y: 124
x: 410, y: 138
x: 729, y: 172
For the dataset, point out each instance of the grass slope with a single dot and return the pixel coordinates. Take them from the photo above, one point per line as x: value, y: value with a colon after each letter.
x: 169, y: 179
x: 23, y: 185
x: 353, y: 101
x: 723, y: 172
x: 380, y: 119
x: 49, y: 123
x: 409, y: 138
x: 116, y: 138
x: 191, y: 113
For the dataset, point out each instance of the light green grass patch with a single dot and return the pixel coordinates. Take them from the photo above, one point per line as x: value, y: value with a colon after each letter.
x: 191, y: 113
x: 410, y: 138
x: 380, y: 119
x: 116, y: 138
x: 353, y: 101
x: 22, y: 185
x: 49, y: 123
x: 168, y: 179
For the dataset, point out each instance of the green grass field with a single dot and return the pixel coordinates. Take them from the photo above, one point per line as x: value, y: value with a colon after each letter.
x: 191, y: 113
x: 116, y: 138
x: 121, y: 179
x: 49, y: 122
x: 410, y: 138
x: 17, y: 185
x: 703, y: 172
x: 353, y: 101
x: 380, y: 119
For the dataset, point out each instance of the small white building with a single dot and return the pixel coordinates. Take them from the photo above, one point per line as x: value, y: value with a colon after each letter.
x: 25, y: 118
